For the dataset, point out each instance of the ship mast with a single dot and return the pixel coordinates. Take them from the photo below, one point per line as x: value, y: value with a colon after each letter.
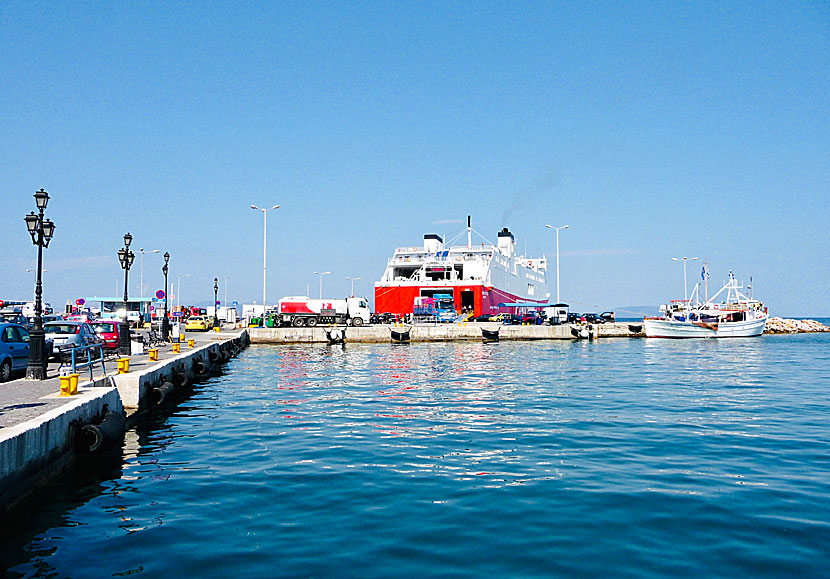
x: 706, y: 278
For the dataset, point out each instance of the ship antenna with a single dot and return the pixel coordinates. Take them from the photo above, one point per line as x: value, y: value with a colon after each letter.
x: 469, y: 233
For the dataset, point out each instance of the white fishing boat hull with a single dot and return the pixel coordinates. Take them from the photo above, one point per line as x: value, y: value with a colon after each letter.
x: 662, y: 328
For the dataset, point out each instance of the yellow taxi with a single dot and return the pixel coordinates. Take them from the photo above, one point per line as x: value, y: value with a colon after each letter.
x: 498, y: 318
x: 197, y: 323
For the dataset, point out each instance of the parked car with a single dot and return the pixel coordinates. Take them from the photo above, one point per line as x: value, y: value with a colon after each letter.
x: 500, y: 318
x: 30, y: 321
x: 512, y: 319
x: 573, y: 318
x: 531, y: 318
x: 107, y: 330
x: 608, y: 316
x: 69, y: 334
x: 80, y: 317
x: 197, y: 323
x: 591, y: 318
x: 14, y: 349
x: 13, y: 317
x: 482, y: 318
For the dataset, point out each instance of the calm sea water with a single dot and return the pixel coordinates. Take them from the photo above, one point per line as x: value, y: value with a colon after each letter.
x: 614, y: 458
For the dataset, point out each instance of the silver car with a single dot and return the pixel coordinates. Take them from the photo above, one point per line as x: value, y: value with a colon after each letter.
x: 68, y: 334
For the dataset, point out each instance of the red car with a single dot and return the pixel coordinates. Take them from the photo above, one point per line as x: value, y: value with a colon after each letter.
x: 108, y: 331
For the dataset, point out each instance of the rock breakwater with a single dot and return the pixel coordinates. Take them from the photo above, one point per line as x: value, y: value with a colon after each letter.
x: 788, y: 326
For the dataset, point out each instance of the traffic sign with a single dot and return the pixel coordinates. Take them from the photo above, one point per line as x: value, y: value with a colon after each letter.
x: 152, y: 308
x: 160, y: 294
x: 177, y: 314
x: 80, y: 302
x: 218, y: 302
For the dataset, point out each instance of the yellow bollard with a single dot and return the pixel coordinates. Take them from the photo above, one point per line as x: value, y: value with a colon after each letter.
x: 191, y: 342
x: 69, y: 384
x: 176, y: 347
x: 154, y: 354
x: 66, y: 384
x: 181, y: 337
x: 216, y: 329
x: 123, y: 365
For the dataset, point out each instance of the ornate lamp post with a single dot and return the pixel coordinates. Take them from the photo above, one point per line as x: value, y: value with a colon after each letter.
x: 215, y: 302
x: 165, y: 323
x: 41, y: 231
x: 126, y: 257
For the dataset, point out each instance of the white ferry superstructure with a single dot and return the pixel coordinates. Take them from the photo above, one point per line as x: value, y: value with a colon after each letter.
x: 479, y: 276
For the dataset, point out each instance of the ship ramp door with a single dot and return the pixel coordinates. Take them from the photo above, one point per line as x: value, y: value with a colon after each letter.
x: 468, y: 301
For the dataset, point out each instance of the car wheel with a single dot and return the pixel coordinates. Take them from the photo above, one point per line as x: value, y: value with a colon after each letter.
x: 357, y: 322
x: 5, y: 371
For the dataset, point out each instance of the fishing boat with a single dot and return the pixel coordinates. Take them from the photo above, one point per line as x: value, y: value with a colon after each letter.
x: 471, y: 279
x: 735, y: 316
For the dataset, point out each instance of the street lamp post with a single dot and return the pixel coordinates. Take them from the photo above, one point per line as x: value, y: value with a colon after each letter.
x: 264, y: 246
x: 41, y: 231
x: 685, y: 287
x: 321, y: 274
x: 165, y: 323
x: 557, y: 256
x: 353, y: 280
x: 216, y: 302
x: 126, y: 257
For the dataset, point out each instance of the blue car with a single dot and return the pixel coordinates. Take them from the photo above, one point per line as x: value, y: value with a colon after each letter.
x: 14, y: 350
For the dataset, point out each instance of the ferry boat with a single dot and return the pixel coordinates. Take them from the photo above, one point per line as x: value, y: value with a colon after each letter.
x: 479, y: 277
x: 736, y: 316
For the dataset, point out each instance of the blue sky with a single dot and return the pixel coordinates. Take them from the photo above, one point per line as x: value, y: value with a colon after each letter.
x: 655, y: 130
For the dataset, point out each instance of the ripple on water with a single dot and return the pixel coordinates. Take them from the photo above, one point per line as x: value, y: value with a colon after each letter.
x: 616, y: 457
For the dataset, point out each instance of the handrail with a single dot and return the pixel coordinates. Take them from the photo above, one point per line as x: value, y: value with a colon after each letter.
x: 90, y: 361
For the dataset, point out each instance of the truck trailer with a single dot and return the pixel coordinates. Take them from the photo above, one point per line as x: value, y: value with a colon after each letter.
x: 301, y: 311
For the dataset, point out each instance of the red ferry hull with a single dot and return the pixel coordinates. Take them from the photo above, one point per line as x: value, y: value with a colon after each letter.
x: 400, y: 299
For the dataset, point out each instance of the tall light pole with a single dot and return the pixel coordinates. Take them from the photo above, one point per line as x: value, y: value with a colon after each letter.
x: 179, y: 287
x: 226, y: 290
x: 557, y: 255
x: 685, y: 287
x: 142, y: 252
x: 264, y: 246
x: 165, y: 322
x: 141, y: 283
x: 126, y: 257
x: 321, y: 274
x: 353, y: 280
x: 41, y: 231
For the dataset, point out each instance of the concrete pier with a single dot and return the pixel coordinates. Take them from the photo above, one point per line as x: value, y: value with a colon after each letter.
x: 38, y: 425
x: 444, y: 332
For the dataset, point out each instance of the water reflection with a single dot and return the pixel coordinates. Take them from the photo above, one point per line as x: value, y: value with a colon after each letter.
x: 425, y: 446
x: 33, y: 530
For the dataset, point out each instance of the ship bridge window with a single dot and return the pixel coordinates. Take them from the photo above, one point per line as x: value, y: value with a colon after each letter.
x: 443, y: 273
x: 404, y: 272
